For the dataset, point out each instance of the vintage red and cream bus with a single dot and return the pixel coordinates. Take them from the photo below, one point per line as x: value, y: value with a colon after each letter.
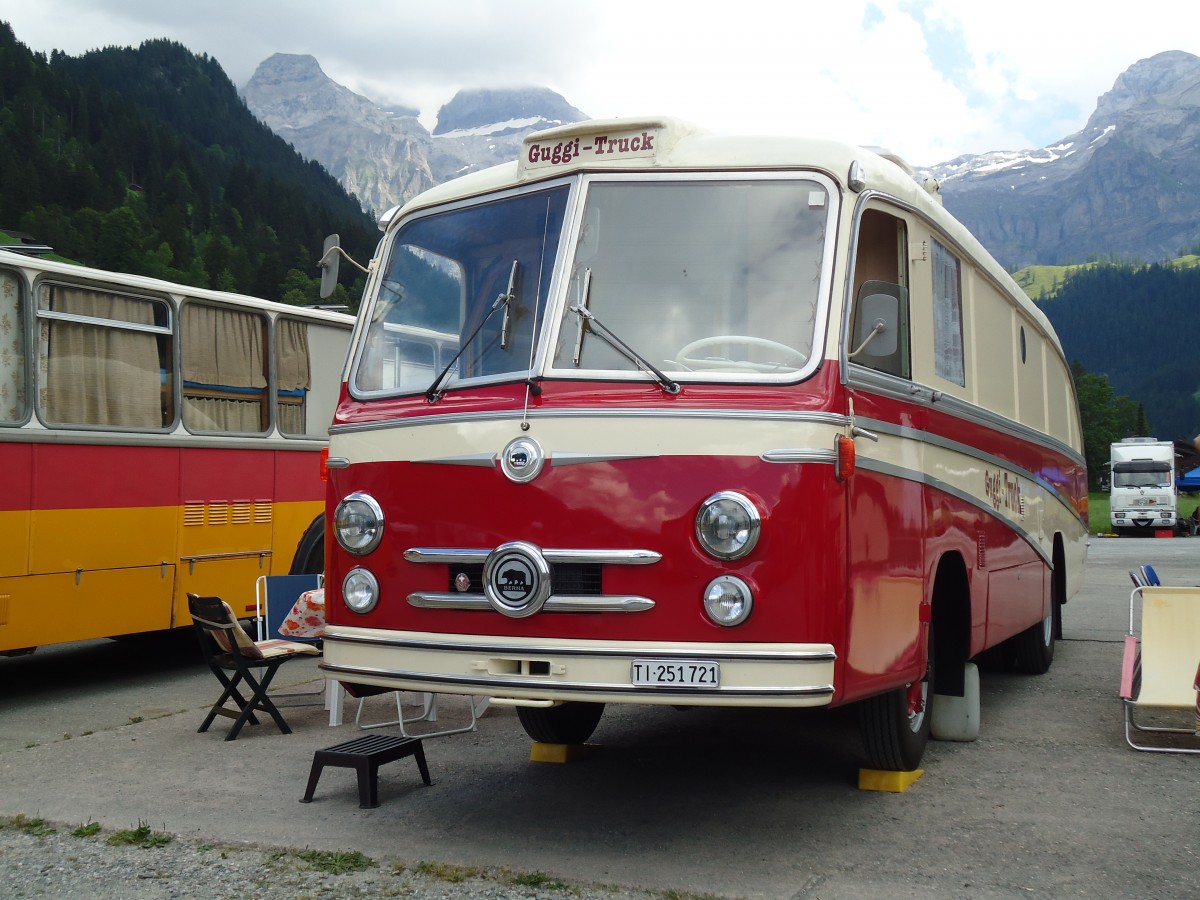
x: 155, y: 439
x: 657, y: 416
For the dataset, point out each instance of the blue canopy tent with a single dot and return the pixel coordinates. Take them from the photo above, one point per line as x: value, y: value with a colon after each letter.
x: 1189, y: 481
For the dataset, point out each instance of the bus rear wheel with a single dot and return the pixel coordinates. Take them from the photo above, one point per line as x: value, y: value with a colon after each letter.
x: 1033, y: 648
x: 567, y: 723
x: 895, y: 726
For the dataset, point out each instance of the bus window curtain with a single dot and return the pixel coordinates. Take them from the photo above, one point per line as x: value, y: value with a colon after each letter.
x: 12, y: 350
x: 224, y: 374
x: 98, y: 374
x: 293, y: 376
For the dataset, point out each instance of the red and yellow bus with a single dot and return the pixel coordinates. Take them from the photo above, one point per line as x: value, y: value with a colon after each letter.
x: 155, y: 439
x: 656, y: 416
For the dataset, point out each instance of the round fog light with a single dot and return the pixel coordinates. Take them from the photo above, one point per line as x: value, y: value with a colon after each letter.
x: 360, y: 590
x: 728, y: 600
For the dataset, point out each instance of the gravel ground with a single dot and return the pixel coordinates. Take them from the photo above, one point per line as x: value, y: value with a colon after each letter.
x: 40, y: 859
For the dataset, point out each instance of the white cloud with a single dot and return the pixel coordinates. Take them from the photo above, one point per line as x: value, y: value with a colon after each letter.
x: 929, y: 78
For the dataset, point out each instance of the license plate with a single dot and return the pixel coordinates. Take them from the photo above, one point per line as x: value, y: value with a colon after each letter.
x: 697, y: 673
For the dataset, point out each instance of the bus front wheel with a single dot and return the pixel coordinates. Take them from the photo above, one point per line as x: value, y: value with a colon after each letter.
x: 567, y: 723
x: 895, y: 726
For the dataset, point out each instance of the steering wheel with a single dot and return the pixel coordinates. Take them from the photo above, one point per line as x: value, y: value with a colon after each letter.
x: 790, y: 357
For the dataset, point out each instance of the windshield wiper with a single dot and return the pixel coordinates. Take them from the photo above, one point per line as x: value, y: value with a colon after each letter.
x: 588, y: 319
x: 432, y: 394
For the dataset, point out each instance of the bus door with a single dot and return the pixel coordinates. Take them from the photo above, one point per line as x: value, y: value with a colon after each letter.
x: 885, y: 497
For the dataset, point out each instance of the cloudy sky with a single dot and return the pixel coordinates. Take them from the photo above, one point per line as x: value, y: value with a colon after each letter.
x: 929, y: 79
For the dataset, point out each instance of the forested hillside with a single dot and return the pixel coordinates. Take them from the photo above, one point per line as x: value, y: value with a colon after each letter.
x: 147, y: 161
x: 1137, y: 326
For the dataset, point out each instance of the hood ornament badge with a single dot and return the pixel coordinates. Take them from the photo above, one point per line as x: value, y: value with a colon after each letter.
x: 522, y: 460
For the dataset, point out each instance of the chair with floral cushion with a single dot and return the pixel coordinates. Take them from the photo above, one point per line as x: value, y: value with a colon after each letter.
x: 227, y: 648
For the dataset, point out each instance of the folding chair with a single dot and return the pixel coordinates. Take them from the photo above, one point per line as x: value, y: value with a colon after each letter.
x: 428, y: 711
x: 227, y: 648
x: 274, y: 597
x: 1160, y: 670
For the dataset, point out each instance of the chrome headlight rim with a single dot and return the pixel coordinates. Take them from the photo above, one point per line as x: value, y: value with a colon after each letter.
x: 753, y: 525
x: 740, y: 587
x: 369, y: 587
x: 376, y: 534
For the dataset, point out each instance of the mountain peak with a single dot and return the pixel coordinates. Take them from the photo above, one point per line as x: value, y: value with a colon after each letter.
x: 477, y: 109
x: 1171, y: 78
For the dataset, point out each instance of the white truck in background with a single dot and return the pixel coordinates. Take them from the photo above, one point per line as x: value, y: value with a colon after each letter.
x: 1142, y: 488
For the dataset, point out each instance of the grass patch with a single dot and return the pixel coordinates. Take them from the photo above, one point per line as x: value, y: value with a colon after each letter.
x: 87, y: 829
x: 33, y: 827
x: 446, y: 871
x: 336, y: 862
x: 1098, y: 510
x: 537, y: 880
x: 142, y: 836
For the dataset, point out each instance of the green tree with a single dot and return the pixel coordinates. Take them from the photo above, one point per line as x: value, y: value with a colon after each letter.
x: 1105, y: 418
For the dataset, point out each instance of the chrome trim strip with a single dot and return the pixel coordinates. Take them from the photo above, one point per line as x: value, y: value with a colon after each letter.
x: 485, y: 460
x: 464, y: 555
x: 337, y: 462
x: 564, y: 603
x: 444, y: 600
x: 799, y: 455
x: 630, y: 557
x: 911, y: 392
x: 826, y: 654
x: 819, y: 690
x: 574, y: 459
x: 602, y: 603
x: 516, y: 415
x: 450, y: 555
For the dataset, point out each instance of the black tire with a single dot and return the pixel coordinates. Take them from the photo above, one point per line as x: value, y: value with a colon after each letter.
x: 895, y: 726
x: 1033, y: 648
x: 568, y: 723
x: 310, y: 552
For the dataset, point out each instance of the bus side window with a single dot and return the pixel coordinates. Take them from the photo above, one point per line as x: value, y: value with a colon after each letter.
x: 293, y: 374
x: 308, y: 367
x: 224, y: 369
x: 879, y: 328
x: 104, y: 357
x: 12, y: 350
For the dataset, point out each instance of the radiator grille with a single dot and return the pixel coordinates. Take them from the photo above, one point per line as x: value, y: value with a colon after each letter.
x: 577, y: 579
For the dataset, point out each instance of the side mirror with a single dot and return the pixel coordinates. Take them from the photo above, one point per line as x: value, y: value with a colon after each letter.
x: 877, y: 325
x: 331, y: 257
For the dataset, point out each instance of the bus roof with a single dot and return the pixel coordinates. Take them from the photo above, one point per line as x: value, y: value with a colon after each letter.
x: 662, y: 144
x: 158, y: 286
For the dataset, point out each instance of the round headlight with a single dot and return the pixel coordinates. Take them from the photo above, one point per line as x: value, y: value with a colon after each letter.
x: 727, y: 525
x: 728, y: 600
x: 360, y: 590
x: 358, y: 523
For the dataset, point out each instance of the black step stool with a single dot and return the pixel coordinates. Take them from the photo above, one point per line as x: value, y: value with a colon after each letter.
x: 366, y: 754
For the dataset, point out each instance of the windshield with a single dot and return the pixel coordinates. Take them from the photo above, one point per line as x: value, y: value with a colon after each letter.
x: 1142, y: 476
x: 705, y: 277
x: 444, y: 275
